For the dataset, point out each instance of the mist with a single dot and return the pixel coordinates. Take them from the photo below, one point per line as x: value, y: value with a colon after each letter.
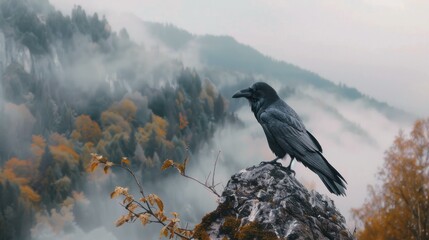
x: 353, y: 134
x: 376, y: 43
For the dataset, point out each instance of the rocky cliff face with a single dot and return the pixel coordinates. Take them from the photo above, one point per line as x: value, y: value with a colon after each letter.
x: 265, y: 202
x: 12, y: 51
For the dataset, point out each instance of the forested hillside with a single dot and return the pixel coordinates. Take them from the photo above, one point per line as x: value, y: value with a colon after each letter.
x: 70, y: 86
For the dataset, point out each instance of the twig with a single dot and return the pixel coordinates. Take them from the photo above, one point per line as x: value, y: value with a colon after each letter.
x: 207, y: 179
x: 136, y: 181
x: 214, y: 168
x: 212, y: 186
x: 157, y: 219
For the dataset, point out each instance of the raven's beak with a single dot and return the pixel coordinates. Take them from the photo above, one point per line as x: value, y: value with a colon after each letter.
x: 243, y: 93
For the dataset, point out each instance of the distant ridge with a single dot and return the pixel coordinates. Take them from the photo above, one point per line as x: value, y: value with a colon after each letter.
x: 224, y: 53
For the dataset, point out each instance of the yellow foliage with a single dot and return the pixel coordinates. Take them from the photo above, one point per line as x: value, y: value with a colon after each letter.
x: 93, y: 166
x: 28, y: 193
x: 167, y: 164
x: 19, y: 166
x: 158, y: 125
x: 181, y: 167
x: 163, y: 232
x: 125, y: 108
x: 125, y: 161
x: 38, y: 146
x: 18, y: 171
x: 116, y: 120
x: 398, y: 208
x: 119, y: 191
x: 58, y: 139
x: 10, y: 175
x: 121, y: 220
x: 113, y: 123
x: 144, y: 218
x: 183, y: 121
x: 75, y: 135
x: 64, y: 153
x: 153, y: 198
x: 86, y: 129
x: 86, y: 151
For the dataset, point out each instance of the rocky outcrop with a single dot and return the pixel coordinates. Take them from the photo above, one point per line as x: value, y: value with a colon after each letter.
x: 267, y: 202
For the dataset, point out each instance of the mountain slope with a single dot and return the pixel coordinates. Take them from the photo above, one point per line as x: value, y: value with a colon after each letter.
x: 224, y: 53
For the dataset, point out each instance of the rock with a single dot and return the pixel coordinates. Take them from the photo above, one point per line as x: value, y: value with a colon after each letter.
x: 267, y: 202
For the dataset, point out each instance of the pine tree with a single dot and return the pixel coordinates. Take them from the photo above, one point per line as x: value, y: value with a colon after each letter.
x: 151, y: 145
x: 219, y: 108
x: 46, y: 161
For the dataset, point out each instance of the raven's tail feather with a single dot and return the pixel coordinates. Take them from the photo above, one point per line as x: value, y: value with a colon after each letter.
x: 332, y: 179
x: 332, y: 186
x: 335, y: 183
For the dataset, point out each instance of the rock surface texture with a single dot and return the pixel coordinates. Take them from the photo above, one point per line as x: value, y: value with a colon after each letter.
x: 266, y: 202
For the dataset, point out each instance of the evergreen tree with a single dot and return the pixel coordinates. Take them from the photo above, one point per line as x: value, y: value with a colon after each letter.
x: 80, y: 19
x: 219, y: 108
x: 46, y: 161
x: 151, y: 145
x: 131, y: 144
x: 16, y: 216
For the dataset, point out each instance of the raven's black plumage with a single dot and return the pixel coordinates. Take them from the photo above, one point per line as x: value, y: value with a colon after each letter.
x: 286, y: 134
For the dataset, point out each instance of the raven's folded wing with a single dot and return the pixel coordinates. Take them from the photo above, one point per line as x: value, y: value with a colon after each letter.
x: 290, y: 134
x: 289, y: 128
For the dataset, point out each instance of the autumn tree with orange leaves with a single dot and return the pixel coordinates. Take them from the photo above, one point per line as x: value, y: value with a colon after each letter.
x: 86, y: 130
x: 399, y: 208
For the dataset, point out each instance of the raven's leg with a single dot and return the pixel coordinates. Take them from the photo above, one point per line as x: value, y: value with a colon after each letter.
x: 273, y: 162
x: 289, y: 168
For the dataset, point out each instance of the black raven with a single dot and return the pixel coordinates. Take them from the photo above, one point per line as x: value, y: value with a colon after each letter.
x: 286, y: 134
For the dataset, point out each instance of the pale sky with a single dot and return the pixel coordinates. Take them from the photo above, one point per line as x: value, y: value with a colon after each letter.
x: 380, y: 47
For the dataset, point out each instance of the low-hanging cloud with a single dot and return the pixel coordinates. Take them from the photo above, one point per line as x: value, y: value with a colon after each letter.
x: 140, y: 33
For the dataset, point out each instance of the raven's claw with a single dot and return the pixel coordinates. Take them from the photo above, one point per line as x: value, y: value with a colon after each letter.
x: 275, y: 163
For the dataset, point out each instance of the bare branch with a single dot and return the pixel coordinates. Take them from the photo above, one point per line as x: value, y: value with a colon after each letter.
x: 207, y: 179
x: 211, y: 187
x: 214, y: 168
